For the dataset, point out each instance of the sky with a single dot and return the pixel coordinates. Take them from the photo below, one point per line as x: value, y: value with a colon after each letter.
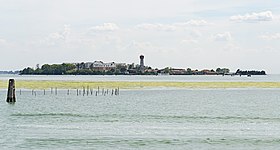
x: 197, y: 34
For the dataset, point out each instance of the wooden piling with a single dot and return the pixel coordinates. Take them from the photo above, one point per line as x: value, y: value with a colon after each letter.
x: 11, y: 95
x: 77, y: 92
x: 44, y: 92
x: 68, y: 92
x: 20, y: 92
x: 91, y: 91
x: 84, y: 91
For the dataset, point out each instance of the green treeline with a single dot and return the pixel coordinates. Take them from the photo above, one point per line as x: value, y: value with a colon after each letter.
x: 79, y: 69
x: 55, y: 69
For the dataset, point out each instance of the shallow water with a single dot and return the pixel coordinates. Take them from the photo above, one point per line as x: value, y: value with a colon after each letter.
x: 143, y: 119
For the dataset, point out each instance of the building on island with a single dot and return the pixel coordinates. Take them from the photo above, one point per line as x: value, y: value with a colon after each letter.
x: 98, y: 66
x: 142, y: 67
x: 174, y: 71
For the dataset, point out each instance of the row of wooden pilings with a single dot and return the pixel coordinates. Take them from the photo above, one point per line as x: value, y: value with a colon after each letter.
x: 11, y: 96
x: 83, y: 92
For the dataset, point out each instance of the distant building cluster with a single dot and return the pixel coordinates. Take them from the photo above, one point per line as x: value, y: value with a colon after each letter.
x: 116, y: 68
x: 97, y: 65
x: 132, y: 69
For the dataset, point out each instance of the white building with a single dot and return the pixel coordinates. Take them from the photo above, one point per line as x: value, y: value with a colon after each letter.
x: 100, y: 66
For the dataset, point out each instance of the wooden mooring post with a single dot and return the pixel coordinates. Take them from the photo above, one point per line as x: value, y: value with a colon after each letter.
x: 56, y: 91
x: 91, y: 91
x: 118, y: 90
x: 84, y: 91
x: 11, y: 95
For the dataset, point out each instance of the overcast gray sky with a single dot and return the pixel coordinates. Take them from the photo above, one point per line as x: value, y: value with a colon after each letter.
x: 176, y: 33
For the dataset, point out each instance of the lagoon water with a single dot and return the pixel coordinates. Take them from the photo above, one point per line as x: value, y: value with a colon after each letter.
x: 178, y: 78
x: 143, y: 119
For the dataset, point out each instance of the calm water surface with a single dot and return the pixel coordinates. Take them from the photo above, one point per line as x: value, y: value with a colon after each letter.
x: 186, y: 78
x: 143, y: 119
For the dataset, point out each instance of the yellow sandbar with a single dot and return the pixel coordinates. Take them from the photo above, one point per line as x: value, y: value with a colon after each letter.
x: 34, y: 84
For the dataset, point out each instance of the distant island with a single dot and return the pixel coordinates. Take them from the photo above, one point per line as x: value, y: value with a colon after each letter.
x: 9, y: 72
x: 112, y: 68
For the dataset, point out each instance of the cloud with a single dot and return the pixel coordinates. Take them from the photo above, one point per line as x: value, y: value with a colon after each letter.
x: 146, y: 47
x: 57, y: 37
x: 274, y: 36
x: 189, y: 41
x: 2, y: 41
x: 61, y: 35
x: 195, y: 33
x: 5, y: 43
x: 232, y: 47
x: 194, y: 23
x: 253, y: 17
x: 226, y: 36
x: 173, y: 26
x: 105, y: 27
x: 157, y: 27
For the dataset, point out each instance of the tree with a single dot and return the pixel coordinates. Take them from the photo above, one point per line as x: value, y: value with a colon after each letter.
x: 225, y: 70
x: 222, y: 71
x: 189, y: 71
x: 131, y: 66
x: 237, y: 71
x: 37, y: 66
x: 123, y: 69
x: 218, y: 70
x: 27, y: 70
x: 166, y: 70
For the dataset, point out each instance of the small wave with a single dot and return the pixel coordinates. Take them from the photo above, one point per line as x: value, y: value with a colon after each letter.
x: 47, y: 114
x: 130, y: 142
x: 119, y: 117
x: 98, y: 118
x: 212, y: 118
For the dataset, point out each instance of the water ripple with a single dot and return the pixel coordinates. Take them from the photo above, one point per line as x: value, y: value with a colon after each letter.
x: 146, y: 117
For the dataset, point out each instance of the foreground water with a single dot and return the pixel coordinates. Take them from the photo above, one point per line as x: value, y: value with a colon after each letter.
x: 143, y: 119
